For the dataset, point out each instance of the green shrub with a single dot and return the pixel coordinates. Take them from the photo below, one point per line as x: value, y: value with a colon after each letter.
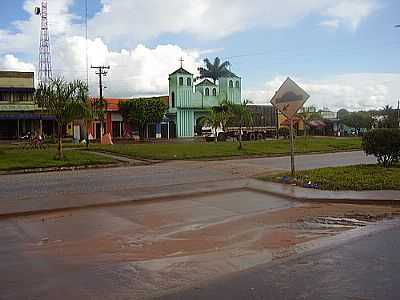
x: 384, y: 144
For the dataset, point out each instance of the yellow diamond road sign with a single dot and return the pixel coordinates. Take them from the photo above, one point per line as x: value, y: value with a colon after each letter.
x: 289, y: 98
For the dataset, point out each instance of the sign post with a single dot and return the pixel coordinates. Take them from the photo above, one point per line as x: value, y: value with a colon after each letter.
x: 292, y: 166
x: 289, y: 99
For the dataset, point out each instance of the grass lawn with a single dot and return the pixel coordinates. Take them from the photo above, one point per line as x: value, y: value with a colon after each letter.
x: 356, y: 178
x: 13, y: 158
x: 229, y: 149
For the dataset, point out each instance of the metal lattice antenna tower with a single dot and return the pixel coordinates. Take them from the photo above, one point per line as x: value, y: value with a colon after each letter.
x: 45, y: 71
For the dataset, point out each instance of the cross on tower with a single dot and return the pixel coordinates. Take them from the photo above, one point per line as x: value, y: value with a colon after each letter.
x: 181, y: 60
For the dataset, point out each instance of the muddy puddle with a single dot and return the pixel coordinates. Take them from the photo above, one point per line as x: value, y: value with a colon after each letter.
x: 159, y: 247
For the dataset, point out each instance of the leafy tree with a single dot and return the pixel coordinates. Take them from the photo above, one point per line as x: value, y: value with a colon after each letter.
x: 67, y: 101
x: 241, y: 115
x: 358, y: 120
x: 140, y: 112
x: 214, y: 70
x: 384, y: 144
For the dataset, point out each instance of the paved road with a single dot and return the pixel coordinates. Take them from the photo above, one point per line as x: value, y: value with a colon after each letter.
x: 31, y: 186
x: 365, y: 269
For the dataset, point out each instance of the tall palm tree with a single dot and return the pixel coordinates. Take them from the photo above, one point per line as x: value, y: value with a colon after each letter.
x: 308, y: 114
x: 242, y: 116
x: 67, y: 101
x: 213, y: 119
x: 99, y: 106
x: 387, y: 109
x: 214, y: 70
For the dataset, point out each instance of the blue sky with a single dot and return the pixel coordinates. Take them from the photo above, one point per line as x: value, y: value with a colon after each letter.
x: 345, y: 52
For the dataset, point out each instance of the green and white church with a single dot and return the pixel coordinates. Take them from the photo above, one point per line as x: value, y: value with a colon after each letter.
x: 189, y: 102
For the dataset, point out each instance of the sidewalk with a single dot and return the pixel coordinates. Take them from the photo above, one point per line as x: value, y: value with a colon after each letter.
x: 71, y: 201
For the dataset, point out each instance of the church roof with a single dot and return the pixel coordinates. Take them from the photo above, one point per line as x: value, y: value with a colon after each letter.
x: 206, y: 82
x: 181, y: 71
x: 230, y: 74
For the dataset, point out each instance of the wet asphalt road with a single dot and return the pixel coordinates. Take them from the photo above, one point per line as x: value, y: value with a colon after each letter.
x: 364, y: 269
x: 169, y: 173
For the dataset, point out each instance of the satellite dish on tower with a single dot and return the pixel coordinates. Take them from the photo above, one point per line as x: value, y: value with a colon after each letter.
x: 37, y: 11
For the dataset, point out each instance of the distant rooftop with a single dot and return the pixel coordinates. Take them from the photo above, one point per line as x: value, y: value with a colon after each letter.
x: 230, y: 74
x: 15, y: 74
x: 181, y: 71
x: 206, y: 82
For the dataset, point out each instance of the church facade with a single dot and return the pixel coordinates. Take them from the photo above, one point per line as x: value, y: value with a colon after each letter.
x: 189, y: 102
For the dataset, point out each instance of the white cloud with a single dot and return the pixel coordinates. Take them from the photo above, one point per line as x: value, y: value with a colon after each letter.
x: 334, y: 23
x: 126, y: 23
x: 349, y: 13
x: 350, y: 91
x: 135, y: 69
x: 138, y: 71
x: 25, y: 38
x: 11, y: 63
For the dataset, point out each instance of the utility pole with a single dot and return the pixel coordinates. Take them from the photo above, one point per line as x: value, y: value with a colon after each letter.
x: 101, y: 71
x: 398, y: 112
x: 86, y: 41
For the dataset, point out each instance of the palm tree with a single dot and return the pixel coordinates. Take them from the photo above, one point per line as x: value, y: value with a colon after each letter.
x: 214, y: 70
x: 88, y: 116
x: 387, y: 109
x: 99, y: 106
x: 242, y: 116
x: 308, y: 114
x: 67, y: 101
x: 214, y: 119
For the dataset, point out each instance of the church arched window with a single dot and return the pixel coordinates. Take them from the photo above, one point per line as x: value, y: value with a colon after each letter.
x: 172, y: 99
x: 230, y: 83
x: 207, y: 92
x: 237, y: 84
x: 189, y: 82
x: 214, y: 92
x: 181, y: 81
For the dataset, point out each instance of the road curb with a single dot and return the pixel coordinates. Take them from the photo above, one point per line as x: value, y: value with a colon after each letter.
x: 366, y: 198
x: 62, y: 169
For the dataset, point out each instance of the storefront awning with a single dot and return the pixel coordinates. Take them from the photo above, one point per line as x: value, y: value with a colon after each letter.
x: 317, y: 124
x: 26, y: 117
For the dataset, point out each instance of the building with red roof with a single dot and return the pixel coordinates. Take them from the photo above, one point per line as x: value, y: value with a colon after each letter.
x: 115, y: 125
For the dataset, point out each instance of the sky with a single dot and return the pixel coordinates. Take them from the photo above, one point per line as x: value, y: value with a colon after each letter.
x: 344, y: 53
